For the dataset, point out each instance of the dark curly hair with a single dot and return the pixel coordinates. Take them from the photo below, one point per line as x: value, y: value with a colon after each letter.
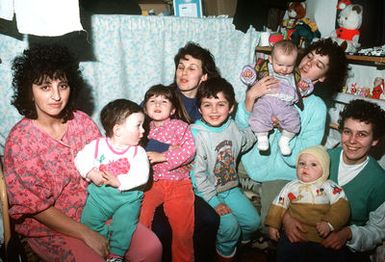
x: 367, y: 112
x: 200, y: 53
x: 36, y: 64
x: 338, y: 67
x: 116, y: 112
x: 212, y: 87
x: 170, y: 94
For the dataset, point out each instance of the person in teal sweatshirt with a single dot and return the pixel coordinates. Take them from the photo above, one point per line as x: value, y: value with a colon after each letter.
x: 219, y: 142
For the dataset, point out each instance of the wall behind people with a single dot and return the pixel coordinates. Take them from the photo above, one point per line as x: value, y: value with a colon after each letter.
x: 134, y: 52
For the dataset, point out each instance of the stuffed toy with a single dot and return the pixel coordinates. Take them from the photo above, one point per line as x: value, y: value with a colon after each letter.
x: 378, y: 89
x: 342, y: 4
x: 296, y: 11
x: 298, y: 28
x: 348, y: 33
x: 306, y: 31
x: 353, y: 88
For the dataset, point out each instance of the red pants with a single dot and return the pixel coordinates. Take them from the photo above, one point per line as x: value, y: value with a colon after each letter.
x: 178, y: 203
x: 145, y: 246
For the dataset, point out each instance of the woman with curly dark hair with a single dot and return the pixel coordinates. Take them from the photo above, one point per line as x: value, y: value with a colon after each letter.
x: 46, y: 193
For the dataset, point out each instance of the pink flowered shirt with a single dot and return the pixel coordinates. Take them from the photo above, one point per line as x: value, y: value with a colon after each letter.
x: 181, y: 152
x: 40, y: 172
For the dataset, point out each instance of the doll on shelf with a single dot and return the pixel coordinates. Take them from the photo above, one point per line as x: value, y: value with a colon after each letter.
x: 378, y: 89
x: 353, y: 89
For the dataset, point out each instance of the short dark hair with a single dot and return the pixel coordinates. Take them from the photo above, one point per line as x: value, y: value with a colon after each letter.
x: 338, y: 67
x: 116, y: 112
x: 212, y: 87
x: 171, y: 95
x: 37, y: 63
x: 200, y: 53
x: 367, y: 112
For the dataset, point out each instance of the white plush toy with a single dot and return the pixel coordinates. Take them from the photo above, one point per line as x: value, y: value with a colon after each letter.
x: 348, y: 33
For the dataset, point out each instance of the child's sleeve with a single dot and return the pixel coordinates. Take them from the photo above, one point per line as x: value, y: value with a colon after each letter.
x: 200, y: 174
x: 278, y: 207
x: 138, y: 173
x: 183, y: 152
x: 85, y: 159
x: 339, y: 212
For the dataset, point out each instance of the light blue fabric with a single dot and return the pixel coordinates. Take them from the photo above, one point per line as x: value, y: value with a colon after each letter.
x: 135, y: 52
x: 272, y: 165
x: 242, y: 221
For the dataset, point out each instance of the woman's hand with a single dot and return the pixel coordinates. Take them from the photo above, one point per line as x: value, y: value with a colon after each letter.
x: 266, y: 85
x: 337, y: 240
x: 222, y: 209
x: 276, y: 122
x: 58, y: 221
x: 155, y: 157
x: 293, y: 228
x: 96, y: 241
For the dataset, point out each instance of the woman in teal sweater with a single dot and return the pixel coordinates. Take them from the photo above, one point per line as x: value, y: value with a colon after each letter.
x: 324, y: 63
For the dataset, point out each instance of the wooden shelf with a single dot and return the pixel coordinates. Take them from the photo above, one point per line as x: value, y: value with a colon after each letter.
x: 360, y: 59
x: 346, y: 98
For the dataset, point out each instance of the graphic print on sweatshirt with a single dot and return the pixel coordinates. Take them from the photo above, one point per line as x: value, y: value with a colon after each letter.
x: 224, y: 168
x: 116, y: 167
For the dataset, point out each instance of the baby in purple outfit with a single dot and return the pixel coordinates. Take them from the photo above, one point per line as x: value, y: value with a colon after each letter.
x: 280, y: 65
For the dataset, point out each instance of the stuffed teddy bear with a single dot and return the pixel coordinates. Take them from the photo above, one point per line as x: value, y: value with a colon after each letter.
x: 296, y: 11
x: 299, y: 28
x: 348, y: 33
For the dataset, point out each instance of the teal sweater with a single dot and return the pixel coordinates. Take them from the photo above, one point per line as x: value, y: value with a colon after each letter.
x: 366, y: 192
x: 272, y: 165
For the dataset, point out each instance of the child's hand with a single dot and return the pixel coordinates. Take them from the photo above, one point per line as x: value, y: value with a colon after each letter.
x: 110, y: 180
x: 323, y: 229
x: 222, y: 209
x: 156, y: 157
x: 274, y: 233
x: 303, y: 85
x: 96, y: 177
x: 174, y: 147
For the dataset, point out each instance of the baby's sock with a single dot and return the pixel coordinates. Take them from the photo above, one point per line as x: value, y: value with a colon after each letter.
x: 283, y: 143
x: 263, y: 141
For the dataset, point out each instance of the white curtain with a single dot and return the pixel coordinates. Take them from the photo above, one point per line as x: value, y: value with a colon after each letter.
x: 134, y: 52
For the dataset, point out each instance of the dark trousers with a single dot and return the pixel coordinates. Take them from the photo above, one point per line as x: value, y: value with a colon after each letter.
x: 205, y: 231
x: 306, y: 251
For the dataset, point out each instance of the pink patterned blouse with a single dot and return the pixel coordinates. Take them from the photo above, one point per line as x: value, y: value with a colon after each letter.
x: 40, y: 172
x: 181, y: 152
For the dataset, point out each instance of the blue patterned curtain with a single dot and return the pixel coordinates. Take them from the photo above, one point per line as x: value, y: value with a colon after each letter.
x: 134, y: 52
